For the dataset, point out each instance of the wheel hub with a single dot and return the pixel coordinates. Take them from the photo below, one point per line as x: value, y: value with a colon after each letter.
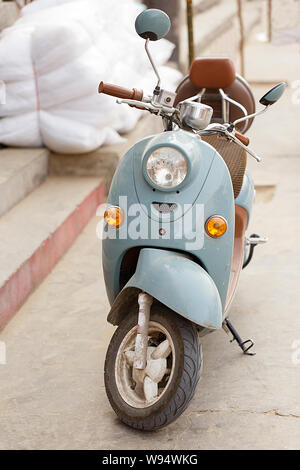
x: 143, y: 387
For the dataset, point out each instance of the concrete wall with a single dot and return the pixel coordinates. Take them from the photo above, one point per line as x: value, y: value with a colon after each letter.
x: 174, y: 10
x: 216, y: 28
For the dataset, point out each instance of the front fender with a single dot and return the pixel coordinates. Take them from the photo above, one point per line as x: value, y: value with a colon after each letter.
x: 177, y: 282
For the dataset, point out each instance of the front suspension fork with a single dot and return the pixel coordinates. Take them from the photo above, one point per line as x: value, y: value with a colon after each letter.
x: 141, y: 342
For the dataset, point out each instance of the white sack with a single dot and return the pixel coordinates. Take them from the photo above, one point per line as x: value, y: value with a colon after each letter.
x: 52, y: 60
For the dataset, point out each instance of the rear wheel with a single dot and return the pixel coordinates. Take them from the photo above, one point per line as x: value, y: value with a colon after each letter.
x: 154, y: 397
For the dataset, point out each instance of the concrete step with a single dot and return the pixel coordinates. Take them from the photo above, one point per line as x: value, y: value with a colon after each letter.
x: 21, y: 171
x: 199, y: 6
x: 216, y: 28
x: 213, y: 22
x: 38, y: 231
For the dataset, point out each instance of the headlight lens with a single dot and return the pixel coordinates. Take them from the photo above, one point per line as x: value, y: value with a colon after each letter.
x: 166, y: 167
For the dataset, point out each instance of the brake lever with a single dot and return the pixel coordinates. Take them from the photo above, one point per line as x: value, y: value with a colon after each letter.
x: 147, y: 106
x: 140, y: 104
x: 223, y: 130
x: 237, y: 141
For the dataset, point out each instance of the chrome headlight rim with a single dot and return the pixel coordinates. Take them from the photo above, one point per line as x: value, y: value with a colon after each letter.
x: 161, y: 188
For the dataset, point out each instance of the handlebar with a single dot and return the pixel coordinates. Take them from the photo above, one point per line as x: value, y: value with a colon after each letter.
x: 120, y: 92
x: 134, y: 96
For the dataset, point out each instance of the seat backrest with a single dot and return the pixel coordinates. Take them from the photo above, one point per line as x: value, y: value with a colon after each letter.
x: 239, y: 91
x: 212, y: 72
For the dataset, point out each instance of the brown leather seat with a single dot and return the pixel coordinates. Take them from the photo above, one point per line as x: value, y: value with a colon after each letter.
x: 212, y: 72
x: 238, y: 91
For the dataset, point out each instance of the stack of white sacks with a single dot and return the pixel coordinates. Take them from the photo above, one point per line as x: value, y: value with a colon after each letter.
x: 52, y: 60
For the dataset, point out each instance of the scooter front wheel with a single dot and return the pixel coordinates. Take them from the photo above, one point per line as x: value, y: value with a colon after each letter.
x: 154, y: 397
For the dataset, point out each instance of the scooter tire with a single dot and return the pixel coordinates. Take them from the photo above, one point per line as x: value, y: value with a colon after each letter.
x: 185, y: 376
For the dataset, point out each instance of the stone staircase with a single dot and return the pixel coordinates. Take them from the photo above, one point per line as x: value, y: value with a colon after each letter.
x: 216, y: 29
x: 41, y: 216
x: 21, y: 171
x: 46, y: 200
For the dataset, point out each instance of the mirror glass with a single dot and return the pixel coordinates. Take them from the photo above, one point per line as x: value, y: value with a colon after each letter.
x: 152, y: 24
x: 273, y: 95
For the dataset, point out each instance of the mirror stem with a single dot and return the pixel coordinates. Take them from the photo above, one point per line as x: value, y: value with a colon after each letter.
x: 250, y: 116
x: 152, y: 63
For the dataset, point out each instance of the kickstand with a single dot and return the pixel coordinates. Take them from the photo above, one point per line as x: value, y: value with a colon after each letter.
x: 244, y: 345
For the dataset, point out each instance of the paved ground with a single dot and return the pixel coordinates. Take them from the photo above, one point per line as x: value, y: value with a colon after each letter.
x: 51, y: 389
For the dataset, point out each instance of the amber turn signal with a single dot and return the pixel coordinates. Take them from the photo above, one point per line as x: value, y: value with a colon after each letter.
x: 216, y: 226
x: 114, y: 216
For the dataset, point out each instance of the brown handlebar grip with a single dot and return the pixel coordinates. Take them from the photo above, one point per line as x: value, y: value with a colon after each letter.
x: 242, y: 138
x: 120, y: 92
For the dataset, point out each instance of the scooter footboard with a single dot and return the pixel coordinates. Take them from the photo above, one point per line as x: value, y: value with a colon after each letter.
x: 177, y: 282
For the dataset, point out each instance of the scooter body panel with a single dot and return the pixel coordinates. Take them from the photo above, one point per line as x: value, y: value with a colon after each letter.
x: 209, y: 189
x: 246, y: 197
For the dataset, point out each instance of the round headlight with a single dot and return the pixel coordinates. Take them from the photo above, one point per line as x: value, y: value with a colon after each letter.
x: 166, y: 167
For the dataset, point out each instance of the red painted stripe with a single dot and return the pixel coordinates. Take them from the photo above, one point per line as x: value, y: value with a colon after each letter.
x: 31, y: 273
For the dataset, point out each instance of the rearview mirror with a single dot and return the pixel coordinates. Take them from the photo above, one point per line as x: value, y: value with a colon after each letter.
x: 152, y: 24
x: 273, y: 95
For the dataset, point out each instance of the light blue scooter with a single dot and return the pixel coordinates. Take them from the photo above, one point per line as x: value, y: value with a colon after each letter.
x: 174, y: 239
